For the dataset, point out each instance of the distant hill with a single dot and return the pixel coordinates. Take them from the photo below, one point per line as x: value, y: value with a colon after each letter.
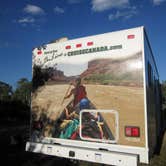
x: 57, y: 75
x: 126, y: 71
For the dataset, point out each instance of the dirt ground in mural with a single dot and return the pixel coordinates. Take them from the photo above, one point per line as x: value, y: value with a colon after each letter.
x: 128, y: 101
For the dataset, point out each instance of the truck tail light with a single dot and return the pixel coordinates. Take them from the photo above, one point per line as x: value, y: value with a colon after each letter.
x: 68, y: 47
x: 89, y: 43
x: 131, y: 36
x: 131, y: 131
x: 78, y: 45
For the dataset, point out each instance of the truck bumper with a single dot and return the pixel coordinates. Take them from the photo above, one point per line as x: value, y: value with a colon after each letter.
x: 91, y: 155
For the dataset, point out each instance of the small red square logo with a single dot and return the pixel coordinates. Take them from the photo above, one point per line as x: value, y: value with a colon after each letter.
x: 39, y: 52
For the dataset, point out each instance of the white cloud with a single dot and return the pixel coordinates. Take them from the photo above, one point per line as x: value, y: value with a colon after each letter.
x: 34, y: 10
x: 58, y: 10
x: 158, y: 2
x: 26, y: 20
x: 101, y: 5
x: 123, y: 14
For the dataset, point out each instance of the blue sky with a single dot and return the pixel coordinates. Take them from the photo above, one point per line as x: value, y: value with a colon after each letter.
x: 25, y: 24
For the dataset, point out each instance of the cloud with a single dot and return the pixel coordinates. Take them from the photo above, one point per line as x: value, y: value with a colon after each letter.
x: 58, y: 10
x: 123, y: 14
x: 101, y: 5
x: 158, y: 2
x: 26, y: 20
x: 122, y: 8
x: 33, y: 10
x: 32, y: 17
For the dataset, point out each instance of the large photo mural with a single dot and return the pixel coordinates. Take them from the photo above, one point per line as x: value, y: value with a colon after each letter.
x: 86, y: 98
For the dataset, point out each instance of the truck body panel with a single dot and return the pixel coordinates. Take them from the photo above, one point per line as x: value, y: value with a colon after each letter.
x: 92, y: 93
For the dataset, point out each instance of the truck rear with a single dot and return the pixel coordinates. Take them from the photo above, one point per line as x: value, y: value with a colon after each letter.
x: 89, y: 99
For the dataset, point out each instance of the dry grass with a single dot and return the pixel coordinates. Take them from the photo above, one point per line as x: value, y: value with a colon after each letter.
x: 159, y: 160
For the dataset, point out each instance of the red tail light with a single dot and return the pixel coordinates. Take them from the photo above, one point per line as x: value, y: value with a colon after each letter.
x: 89, y: 43
x: 68, y: 47
x: 131, y: 36
x: 132, y: 131
x: 78, y: 45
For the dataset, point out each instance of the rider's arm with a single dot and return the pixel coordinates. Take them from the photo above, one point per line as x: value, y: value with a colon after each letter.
x: 68, y: 95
